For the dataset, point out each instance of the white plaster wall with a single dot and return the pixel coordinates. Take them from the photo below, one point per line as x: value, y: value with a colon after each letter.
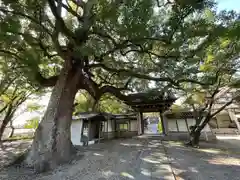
x: 182, y: 126
x: 76, y: 129
x: 191, y: 122
x: 172, y: 125
x: 108, y: 127
x: 207, y: 128
x: 134, y: 125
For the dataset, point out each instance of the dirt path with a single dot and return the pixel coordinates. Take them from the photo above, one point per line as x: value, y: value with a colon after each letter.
x: 219, y: 161
x: 138, y: 159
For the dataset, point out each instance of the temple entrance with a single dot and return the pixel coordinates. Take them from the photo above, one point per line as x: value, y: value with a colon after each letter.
x: 152, y: 103
x: 152, y: 123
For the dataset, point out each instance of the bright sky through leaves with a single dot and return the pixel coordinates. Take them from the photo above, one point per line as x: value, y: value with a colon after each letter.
x: 228, y: 5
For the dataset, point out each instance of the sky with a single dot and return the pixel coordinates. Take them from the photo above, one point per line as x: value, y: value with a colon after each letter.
x: 222, y: 5
x: 229, y: 5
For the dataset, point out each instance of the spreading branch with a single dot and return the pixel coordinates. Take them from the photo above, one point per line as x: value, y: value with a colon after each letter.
x: 46, y: 82
x: 72, y: 11
x: 27, y: 17
x: 222, y: 108
x: 148, y: 77
x: 59, y: 20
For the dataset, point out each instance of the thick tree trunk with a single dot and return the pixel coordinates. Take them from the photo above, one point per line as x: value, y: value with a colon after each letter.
x: 52, y: 142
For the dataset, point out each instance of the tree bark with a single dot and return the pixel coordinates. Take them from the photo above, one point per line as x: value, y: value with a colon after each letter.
x: 194, y: 138
x: 52, y: 141
x: 6, y: 120
x: 12, y: 129
x: 196, y: 132
x: 12, y: 132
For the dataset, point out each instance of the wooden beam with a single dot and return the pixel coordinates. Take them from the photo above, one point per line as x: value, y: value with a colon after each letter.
x: 129, y: 127
x: 99, y: 132
x: 107, y: 125
x: 142, y: 123
x: 89, y: 130
x: 139, y: 123
x: 187, y: 124
x: 165, y: 121
x: 177, y: 125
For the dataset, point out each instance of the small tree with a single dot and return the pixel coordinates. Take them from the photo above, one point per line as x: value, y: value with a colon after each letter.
x: 220, y: 73
x: 16, y: 94
x: 204, y: 113
x: 12, y: 100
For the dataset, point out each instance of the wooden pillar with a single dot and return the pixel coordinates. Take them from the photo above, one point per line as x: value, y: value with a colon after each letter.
x: 163, y: 123
x: 139, y: 123
x: 81, y: 130
x: 234, y: 118
x: 142, y: 123
x: 99, y: 132
x: 177, y: 125
x: 115, y: 128
x: 187, y: 125
x: 107, y: 126
x: 89, y: 130
x: 129, y: 125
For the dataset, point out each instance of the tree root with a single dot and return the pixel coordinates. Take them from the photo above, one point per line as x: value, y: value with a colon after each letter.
x: 190, y: 144
x: 18, y: 161
x: 41, y: 167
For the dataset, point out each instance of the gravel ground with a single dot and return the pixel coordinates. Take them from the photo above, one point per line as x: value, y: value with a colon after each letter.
x: 215, y: 161
x: 9, y: 150
x: 139, y: 159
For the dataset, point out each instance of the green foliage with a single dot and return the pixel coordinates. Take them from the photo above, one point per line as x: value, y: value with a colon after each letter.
x: 178, y: 108
x: 19, y: 137
x: 107, y: 103
x: 111, y: 104
x: 33, y: 107
x: 32, y: 123
x: 84, y: 102
x: 174, y: 43
x: 159, y: 127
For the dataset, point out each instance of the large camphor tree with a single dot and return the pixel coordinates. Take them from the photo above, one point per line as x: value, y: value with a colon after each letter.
x: 74, y: 44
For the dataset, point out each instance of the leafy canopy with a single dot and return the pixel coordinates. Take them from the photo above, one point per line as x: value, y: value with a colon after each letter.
x: 168, y: 41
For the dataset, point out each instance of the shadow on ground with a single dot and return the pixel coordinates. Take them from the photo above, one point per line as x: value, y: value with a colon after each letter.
x: 139, y: 159
x: 219, y: 160
x: 10, y: 150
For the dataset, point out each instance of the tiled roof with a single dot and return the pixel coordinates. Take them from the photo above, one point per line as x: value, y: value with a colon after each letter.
x: 86, y: 115
x: 125, y: 116
x: 89, y: 115
x: 150, y: 97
